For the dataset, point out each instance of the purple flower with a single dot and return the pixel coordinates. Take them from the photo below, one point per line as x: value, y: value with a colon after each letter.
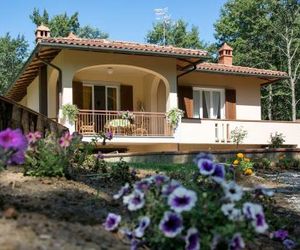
x: 134, y: 244
x: 231, y: 212
x: 144, y: 222
x: 160, y: 179
x: 170, y: 187
x: 289, y: 244
x: 206, y: 156
x: 143, y: 185
x: 237, y: 242
x: 112, y: 222
x: 206, y: 166
x: 171, y: 224
x: 13, y: 139
x: 250, y: 209
x: 124, y: 190
x: 233, y: 192
x: 263, y: 191
x: 192, y: 241
x: 65, y: 140
x: 259, y: 223
x: 17, y: 158
x: 100, y: 156
x: 126, y: 232
x: 134, y: 201
x: 109, y: 135
x: 33, y: 137
x: 182, y: 199
x: 219, y: 173
x: 280, y: 234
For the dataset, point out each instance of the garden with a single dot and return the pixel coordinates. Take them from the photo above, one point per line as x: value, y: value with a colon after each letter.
x: 58, y: 192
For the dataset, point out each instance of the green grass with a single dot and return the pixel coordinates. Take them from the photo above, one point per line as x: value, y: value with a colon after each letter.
x: 164, y: 167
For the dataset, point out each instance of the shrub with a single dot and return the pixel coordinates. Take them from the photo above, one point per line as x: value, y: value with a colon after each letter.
x: 70, y: 112
x: 210, y: 212
x: 238, y: 135
x: 120, y: 172
x: 174, y: 116
x: 276, y: 140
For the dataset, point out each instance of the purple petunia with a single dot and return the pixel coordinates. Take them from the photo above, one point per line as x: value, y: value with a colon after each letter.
x: 280, y: 234
x: 206, y: 166
x: 65, y: 140
x: 219, y: 173
x: 33, y: 137
x: 112, y: 222
x: 231, y: 212
x: 124, y: 190
x: 255, y: 213
x: 160, y: 179
x: 233, y: 192
x: 134, y: 201
x: 144, y: 184
x: 13, y: 139
x: 192, y: 239
x: 167, y: 189
x: 289, y: 244
x: 237, y: 242
x: 171, y: 224
x: 144, y: 222
x: 259, y: 223
x: 17, y: 158
x: 182, y: 199
x: 201, y: 156
x: 109, y: 135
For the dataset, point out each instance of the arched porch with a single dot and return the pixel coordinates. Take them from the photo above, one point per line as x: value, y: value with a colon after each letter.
x: 124, y: 99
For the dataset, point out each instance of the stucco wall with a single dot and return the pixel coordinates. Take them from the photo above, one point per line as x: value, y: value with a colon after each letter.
x: 33, y: 95
x: 248, y: 106
x: 24, y: 101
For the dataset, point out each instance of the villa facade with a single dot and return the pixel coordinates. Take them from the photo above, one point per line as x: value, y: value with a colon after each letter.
x: 104, y: 79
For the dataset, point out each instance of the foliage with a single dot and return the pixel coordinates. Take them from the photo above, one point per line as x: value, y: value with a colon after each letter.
x: 238, y: 135
x: 52, y: 156
x: 255, y: 30
x: 61, y: 25
x: 120, y: 172
x: 126, y: 115
x: 13, y: 52
x: 243, y: 164
x: 174, y: 116
x: 70, y: 112
x: 164, y: 213
x: 176, y: 33
x: 276, y: 140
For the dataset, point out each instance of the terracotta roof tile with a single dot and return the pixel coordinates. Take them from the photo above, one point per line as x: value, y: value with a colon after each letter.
x: 122, y: 45
x: 216, y: 67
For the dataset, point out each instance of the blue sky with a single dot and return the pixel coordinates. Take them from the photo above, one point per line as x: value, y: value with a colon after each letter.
x: 127, y: 20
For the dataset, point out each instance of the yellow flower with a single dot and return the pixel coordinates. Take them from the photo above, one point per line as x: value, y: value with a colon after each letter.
x: 240, y: 155
x: 236, y: 162
x: 246, y: 159
x: 248, y: 171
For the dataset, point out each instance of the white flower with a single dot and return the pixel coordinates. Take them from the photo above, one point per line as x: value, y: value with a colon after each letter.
x: 231, y: 212
x: 233, y: 192
x: 182, y: 199
x: 144, y: 222
x: 121, y: 192
x: 255, y: 213
x: 134, y: 201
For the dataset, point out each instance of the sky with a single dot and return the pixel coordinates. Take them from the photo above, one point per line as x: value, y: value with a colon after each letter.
x: 127, y: 20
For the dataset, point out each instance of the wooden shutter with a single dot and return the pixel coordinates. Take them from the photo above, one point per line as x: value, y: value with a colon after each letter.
x: 77, y: 94
x: 230, y: 104
x: 43, y: 90
x: 126, y: 94
x: 185, y: 100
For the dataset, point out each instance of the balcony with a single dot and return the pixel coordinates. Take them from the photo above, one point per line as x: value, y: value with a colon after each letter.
x: 140, y: 124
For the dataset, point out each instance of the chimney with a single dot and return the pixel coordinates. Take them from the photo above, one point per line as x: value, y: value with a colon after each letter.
x: 225, y: 54
x: 41, y: 32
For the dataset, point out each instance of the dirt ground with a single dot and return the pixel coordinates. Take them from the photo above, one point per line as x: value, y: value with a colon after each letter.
x: 55, y: 213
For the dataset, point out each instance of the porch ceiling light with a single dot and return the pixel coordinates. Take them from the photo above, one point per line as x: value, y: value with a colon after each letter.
x: 110, y: 70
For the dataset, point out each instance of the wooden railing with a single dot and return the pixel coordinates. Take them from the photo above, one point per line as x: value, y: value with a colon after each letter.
x: 91, y: 122
x: 15, y: 115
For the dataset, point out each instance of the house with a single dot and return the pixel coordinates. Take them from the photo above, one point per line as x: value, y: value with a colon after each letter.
x: 105, y: 77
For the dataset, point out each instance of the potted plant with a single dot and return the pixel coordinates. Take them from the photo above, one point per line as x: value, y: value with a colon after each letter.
x: 70, y: 112
x: 174, y: 116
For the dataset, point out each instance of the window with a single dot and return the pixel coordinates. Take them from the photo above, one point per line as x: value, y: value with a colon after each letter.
x: 208, y: 103
x: 97, y: 97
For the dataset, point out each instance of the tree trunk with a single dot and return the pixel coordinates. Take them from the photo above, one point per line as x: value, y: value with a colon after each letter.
x: 294, y: 112
x: 270, y: 97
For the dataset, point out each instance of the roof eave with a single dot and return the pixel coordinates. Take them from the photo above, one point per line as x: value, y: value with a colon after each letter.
x: 266, y: 76
x: 125, y: 51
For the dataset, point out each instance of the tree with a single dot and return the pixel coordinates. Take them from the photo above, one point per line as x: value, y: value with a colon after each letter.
x: 61, y: 25
x: 253, y: 28
x: 175, y: 33
x: 13, y: 52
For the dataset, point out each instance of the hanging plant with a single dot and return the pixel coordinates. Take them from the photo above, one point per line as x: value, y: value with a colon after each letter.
x: 174, y: 116
x: 70, y: 112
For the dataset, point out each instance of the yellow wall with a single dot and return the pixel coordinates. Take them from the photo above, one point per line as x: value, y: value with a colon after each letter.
x: 248, y: 104
x: 33, y: 95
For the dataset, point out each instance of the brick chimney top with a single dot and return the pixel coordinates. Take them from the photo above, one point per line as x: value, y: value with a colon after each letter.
x: 225, y: 54
x: 41, y: 32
